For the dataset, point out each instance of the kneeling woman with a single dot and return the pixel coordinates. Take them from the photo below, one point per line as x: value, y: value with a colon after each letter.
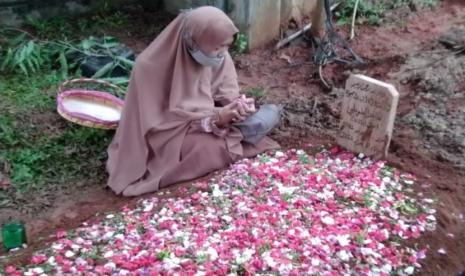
x: 183, y: 113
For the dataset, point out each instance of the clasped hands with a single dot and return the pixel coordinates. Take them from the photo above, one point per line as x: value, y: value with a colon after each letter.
x: 237, y: 111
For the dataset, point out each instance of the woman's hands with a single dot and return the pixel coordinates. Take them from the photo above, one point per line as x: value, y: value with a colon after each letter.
x: 245, y: 107
x: 236, y: 111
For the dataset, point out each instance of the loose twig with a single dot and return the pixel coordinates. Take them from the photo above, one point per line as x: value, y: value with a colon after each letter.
x: 292, y: 36
x: 352, y: 26
x: 295, y: 35
x: 320, y: 73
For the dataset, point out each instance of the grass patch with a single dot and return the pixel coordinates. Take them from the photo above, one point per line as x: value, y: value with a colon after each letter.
x: 43, y: 155
x: 258, y: 93
x: 372, y: 12
x: 41, y: 150
x: 367, y: 12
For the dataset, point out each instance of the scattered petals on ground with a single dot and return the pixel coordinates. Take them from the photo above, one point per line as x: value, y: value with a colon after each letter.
x: 283, y: 212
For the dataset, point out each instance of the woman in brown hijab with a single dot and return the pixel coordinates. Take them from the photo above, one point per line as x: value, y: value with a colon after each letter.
x: 182, y: 100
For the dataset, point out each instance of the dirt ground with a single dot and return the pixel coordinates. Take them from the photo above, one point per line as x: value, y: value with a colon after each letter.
x: 428, y: 139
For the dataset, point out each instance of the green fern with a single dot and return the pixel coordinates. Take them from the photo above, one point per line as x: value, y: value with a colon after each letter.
x: 25, y: 54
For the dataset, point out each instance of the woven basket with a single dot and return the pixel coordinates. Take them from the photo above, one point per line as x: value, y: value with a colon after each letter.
x: 89, y: 108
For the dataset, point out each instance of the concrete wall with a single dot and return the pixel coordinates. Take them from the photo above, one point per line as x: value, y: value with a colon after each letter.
x: 260, y: 20
x: 264, y: 22
x: 296, y: 9
x: 238, y: 11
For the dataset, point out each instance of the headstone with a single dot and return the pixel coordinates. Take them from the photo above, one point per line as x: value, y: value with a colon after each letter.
x: 367, y: 116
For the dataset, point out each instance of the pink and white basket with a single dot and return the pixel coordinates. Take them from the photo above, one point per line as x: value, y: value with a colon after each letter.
x: 89, y: 108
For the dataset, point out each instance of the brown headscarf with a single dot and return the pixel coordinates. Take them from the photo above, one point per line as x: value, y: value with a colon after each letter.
x: 168, y: 90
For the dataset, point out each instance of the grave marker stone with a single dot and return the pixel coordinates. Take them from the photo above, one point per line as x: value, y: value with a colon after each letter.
x: 367, y: 116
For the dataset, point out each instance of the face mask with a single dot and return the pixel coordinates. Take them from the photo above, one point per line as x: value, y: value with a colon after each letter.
x: 205, y: 60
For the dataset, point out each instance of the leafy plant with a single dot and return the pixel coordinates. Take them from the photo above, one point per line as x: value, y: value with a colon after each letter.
x: 240, y: 45
x: 372, y: 12
x: 366, y: 12
x: 22, y: 54
x: 26, y: 54
x: 255, y: 92
x: 107, y: 48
